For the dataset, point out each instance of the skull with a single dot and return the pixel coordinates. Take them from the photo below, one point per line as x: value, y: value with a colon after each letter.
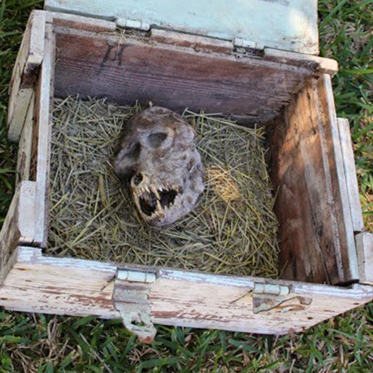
x: 158, y: 154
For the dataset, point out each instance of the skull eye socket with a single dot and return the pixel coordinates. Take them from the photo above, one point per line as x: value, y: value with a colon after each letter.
x: 155, y: 140
x: 137, y: 179
x: 133, y: 152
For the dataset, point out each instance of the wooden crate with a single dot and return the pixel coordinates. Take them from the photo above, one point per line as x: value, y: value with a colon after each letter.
x: 326, y: 257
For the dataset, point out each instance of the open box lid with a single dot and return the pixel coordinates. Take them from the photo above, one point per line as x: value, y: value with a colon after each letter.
x: 282, y: 24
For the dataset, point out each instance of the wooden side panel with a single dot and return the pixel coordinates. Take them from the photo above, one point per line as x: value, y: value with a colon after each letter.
x: 18, y: 227
x: 79, y: 287
x: 63, y: 286
x: 317, y: 242
x: 42, y: 142
x: 131, y: 69
x: 25, y: 143
x: 364, y: 243
x: 350, y: 172
x: 25, y: 74
x: 339, y: 186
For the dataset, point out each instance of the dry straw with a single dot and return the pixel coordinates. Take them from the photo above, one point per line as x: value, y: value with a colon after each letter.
x: 232, y: 230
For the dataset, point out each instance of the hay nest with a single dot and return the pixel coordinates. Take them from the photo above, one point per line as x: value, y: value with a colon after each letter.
x: 232, y: 230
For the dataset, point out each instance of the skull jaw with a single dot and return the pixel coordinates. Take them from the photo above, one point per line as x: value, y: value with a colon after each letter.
x: 163, y: 205
x: 155, y: 204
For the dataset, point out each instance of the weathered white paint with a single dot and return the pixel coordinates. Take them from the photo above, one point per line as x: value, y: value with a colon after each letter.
x: 26, y: 213
x: 70, y: 286
x: 18, y: 227
x: 350, y: 172
x: 20, y: 104
x: 364, y: 244
x: 44, y: 113
x: 29, y: 58
x: 282, y: 24
x: 25, y: 143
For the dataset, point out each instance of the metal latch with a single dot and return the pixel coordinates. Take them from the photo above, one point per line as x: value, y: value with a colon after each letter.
x: 131, y: 299
x: 277, y: 299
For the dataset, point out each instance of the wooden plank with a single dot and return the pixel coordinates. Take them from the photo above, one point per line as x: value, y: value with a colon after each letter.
x: 58, y: 286
x: 283, y: 24
x: 350, y: 172
x: 43, y: 113
x: 25, y: 74
x: 339, y: 186
x: 191, y: 41
x: 322, y: 65
x: 315, y: 237
x: 25, y: 143
x: 68, y: 286
x: 9, y: 237
x: 364, y: 244
x: 80, y: 23
x: 19, y: 105
x: 168, y: 75
x: 18, y: 227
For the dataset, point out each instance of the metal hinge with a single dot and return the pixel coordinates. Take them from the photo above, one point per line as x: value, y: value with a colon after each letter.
x: 277, y: 299
x: 271, y: 289
x: 131, y: 299
x: 243, y: 43
x: 132, y: 23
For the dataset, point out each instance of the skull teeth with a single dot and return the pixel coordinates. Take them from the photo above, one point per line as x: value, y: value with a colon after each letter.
x: 152, y: 202
x: 155, y: 192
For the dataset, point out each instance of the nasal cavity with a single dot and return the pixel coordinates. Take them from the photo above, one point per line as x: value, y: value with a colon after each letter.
x: 156, y: 139
x: 137, y: 179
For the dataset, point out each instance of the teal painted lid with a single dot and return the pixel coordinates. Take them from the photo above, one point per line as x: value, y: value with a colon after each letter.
x: 282, y: 24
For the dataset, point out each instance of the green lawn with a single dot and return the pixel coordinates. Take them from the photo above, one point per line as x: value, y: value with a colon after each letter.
x: 39, y: 343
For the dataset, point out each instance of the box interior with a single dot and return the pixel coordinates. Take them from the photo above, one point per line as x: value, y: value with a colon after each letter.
x: 291, y: 101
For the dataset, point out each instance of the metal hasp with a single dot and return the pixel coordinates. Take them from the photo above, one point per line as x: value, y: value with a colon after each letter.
x: 277, y: 299
x: 131, y: 299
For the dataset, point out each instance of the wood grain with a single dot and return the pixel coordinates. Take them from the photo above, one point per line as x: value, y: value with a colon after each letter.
x: 42, y: 144
x: 80, y: 23
x: 364, y: 243
x: 196, y: 42
x: 316, y: 243
x: 350, y: 173
x: 323, y: 65
x: 25, y: 74
x: 132, y: 69
x: 70, y: 286
x: 18, y: 227
x: 25, y: 143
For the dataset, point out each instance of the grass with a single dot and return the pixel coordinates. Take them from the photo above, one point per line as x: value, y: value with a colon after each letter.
x: 40, y: 343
